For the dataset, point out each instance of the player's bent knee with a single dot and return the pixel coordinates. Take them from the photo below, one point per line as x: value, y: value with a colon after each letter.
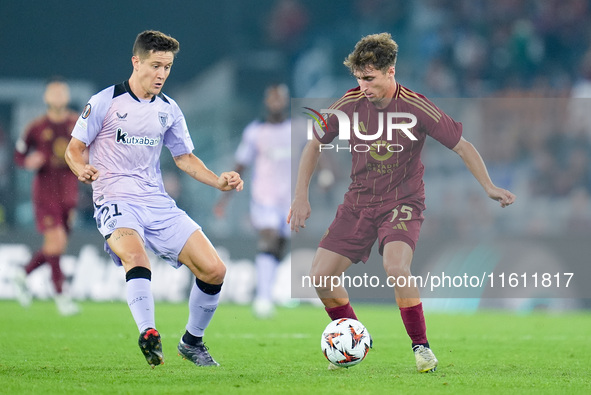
x: 319, y: 272
x: 213, y: 274
x: 54, y: 250
x: 273, y: 245
x: 219, y: 273
x: 321, y: 282
x: 133, y: 259
x: 397, y: 269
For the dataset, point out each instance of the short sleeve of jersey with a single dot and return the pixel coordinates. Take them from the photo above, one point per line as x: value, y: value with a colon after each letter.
x: 447, y: 131
x: 90, y: 122
x: 441, y: 126
x: 177, y: 138
x: 246, y: 151
x: 436, y: 123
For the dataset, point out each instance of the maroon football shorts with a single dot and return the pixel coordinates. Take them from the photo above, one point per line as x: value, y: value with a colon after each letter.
x: 354, y: 232
x: 50, y: 214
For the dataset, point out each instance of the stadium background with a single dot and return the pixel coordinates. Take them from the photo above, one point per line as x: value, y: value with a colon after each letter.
x: 506, y: 51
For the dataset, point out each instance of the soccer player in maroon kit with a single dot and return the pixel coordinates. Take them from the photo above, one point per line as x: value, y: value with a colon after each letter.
x: 385, y: 200
x: 55, y: 189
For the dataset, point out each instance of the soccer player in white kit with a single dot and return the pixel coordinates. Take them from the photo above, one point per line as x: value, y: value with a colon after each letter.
x: 124, y: 128
x: 266, y: 146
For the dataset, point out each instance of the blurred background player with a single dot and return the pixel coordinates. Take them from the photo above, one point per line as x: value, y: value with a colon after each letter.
x: 55, y: 189
x: 385, y: 200
x: 266, y: 146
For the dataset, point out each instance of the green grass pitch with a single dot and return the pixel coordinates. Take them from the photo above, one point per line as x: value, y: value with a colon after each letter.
x: 97, y: 353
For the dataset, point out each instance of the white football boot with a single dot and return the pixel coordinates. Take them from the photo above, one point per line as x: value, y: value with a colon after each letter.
x: 65, y: 305
x: 263, y: 309
x: 23, y: 295
x: 426, y: 360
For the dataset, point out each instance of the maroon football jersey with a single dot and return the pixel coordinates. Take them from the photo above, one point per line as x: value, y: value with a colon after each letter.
x: 54, y: 181
x: 386, y: 169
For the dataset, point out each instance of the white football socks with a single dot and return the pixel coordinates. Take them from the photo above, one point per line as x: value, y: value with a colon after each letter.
x: 141, y: 303
x: 202, y: 306
x: 266, y: 267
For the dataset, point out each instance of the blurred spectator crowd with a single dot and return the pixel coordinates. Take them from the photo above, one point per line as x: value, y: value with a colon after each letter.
x: 527, y: 61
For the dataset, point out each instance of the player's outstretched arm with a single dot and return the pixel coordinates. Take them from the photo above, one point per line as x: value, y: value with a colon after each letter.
x: 76, y: 158
x: 475, y: 164
x: 195, y: 167
x: 300, y: 207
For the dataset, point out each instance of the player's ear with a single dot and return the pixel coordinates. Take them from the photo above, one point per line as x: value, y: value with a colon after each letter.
x: 135, y: 61
x: 391, y: 71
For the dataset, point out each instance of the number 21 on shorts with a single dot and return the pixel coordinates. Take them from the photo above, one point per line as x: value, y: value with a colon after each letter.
x: 105, y: 213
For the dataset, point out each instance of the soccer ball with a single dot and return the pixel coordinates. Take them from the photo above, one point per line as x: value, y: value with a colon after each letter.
x: 345, y: 342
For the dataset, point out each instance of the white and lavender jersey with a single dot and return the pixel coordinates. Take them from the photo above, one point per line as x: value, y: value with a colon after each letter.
x: 125, y: 136
x: 268, y: 145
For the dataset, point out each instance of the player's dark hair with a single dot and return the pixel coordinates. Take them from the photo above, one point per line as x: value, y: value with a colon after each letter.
x: 152, y: 40
x: 56, y: 78
x: 376, y: 50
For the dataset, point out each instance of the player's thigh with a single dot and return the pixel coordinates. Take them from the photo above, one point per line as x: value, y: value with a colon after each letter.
x: 128, y: 245
x: 398, y: 234
x: 267, y: 217
x: 200, y: 256
x: 397, y: 258
x: 329, y: 263
x: 327, y: 267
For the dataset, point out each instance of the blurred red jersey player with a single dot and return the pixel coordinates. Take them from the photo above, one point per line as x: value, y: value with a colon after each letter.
x: 55, y: 189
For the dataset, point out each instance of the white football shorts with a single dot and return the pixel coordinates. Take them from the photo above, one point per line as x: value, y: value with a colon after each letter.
x: 165, y: 229
x: 270, y: 217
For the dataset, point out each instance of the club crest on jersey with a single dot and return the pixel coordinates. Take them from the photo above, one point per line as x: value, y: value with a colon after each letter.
x: 86, y: 112
x: 123, y: 138
x: 163, y: 117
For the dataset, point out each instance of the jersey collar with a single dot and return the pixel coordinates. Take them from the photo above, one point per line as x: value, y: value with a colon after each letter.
x: 128, y: 90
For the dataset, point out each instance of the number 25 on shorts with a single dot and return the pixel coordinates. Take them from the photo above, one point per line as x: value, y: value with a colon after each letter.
x: 405, y: 214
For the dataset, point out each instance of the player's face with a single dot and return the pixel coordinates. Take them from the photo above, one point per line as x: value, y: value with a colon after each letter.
x: 276, y: 100
x: 152, y: 72
x: 377, y: 85
x: 57, y: 95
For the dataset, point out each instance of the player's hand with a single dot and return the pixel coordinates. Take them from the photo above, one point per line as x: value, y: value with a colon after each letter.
x: 502, y: 196
x: 88, y: 174
x: 35, y: 160
x: 230, y: 180
x: 299, y: 212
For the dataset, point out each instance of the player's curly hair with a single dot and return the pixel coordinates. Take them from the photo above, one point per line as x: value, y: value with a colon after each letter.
x: 376, y: 50
x: 153, y: 40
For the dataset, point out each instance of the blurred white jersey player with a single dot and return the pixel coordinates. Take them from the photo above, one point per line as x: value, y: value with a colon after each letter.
x: 266, y: 148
